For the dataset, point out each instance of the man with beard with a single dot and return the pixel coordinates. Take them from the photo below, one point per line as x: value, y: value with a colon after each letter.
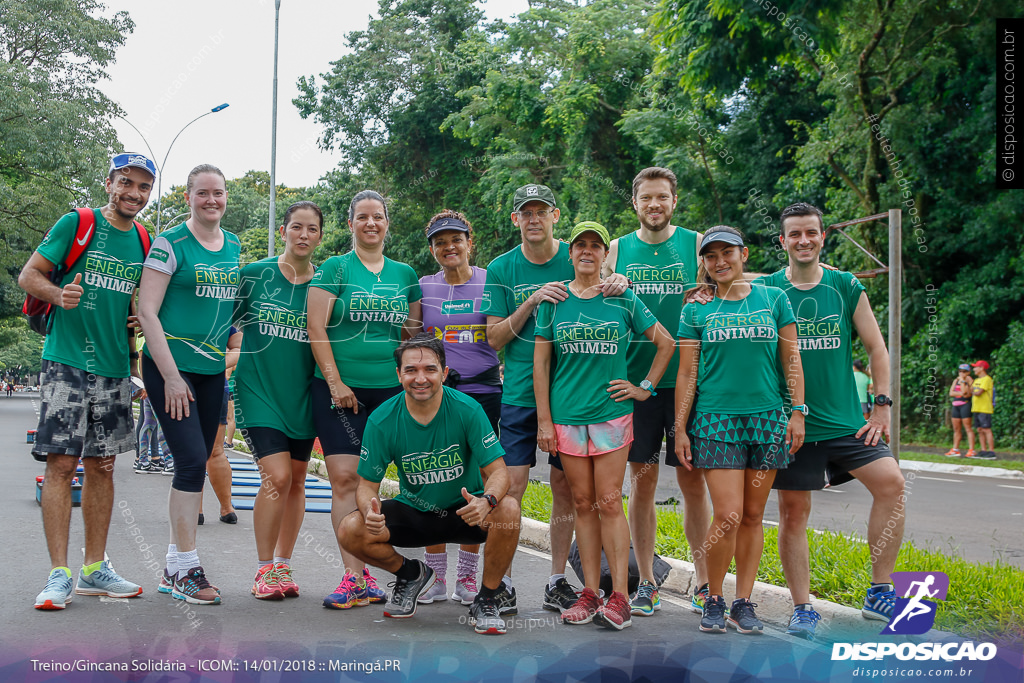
x: 661, y: 261
x: 87, y: 359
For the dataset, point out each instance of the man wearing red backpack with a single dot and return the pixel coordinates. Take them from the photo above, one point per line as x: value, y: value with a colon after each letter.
x: 87, y: 360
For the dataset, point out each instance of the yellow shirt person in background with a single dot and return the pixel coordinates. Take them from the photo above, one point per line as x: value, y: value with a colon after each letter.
x: 982, y: 407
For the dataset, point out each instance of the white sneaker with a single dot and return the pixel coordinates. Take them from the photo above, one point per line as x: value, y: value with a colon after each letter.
x: 438, y: 591
x: 465, y: 590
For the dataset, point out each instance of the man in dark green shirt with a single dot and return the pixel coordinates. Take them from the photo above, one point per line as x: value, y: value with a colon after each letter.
x: 829, y: 306
x: 452, y: 482
x: 660, y: 259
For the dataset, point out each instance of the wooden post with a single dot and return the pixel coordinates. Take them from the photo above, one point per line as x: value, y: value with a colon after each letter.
x: 895, y: 324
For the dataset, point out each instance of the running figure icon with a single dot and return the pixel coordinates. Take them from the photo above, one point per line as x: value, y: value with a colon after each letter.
x: 915, y: 606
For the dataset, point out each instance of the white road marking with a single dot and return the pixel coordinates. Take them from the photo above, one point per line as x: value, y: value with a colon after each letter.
x: 1007, y: 486
x: 955, y: 481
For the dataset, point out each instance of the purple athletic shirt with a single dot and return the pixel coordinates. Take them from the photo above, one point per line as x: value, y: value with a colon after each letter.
x: 452, y: 314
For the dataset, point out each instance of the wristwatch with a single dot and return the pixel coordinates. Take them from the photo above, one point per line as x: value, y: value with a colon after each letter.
x: 803, y: 409
x: 882, y: 400
x: 491, y: 500
x: 647, y: 386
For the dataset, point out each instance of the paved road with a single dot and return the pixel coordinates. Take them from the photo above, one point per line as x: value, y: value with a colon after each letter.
x: 248, y: 636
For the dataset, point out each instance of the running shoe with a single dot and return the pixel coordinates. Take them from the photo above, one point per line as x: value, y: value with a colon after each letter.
x: 194, y: 588
x: 147, y: 468
x: 646, y: 601
x: 485, y: 617
x: 166, y: 583
x: 986, y: 455
x: 615, y: 613
x: 713, y: 618
x: 465, y: 590
x: 402, y: 604
x: 168, y: 468
x: 803, y: 623
x: 560, y: 597
x: 267, y: 585
x: 347, y: 595
x: 879, y: 603
x: 284, y: 577
x: 374, y: 593
x: 698, y: 599
x: 743, y: 619
x: 506, y: 599
x: 583, y: 611
x: 105, y: 581
x: 953, y: 453
x: 970, y: 454
x: 58, y: 591
x: 438, y: 591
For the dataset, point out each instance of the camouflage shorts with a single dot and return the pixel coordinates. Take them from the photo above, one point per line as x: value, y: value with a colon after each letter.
x: 83, y: 414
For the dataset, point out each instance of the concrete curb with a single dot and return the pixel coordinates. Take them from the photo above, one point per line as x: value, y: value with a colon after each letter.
x: 967, y: 470
x: 774, y: 605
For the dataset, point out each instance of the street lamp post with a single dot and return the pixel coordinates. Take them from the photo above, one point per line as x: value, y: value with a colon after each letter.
x: 273, y: 139
x: 160, y: 168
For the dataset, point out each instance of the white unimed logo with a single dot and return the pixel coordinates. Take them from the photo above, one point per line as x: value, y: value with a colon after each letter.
x: 949, y: 652
x: 137, y: 160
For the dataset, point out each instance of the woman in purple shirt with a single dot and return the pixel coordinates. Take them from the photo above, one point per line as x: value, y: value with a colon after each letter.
x: 451, y: 312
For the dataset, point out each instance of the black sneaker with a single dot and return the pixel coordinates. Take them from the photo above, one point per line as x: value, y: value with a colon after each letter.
x: 560, y: 598
x: 986, y: 455
x: 506, y: 601
x: 742, y: 617
x: 713, y: 619
x: 403, y: 599
x: 485, y: 617
x: 147, y: 468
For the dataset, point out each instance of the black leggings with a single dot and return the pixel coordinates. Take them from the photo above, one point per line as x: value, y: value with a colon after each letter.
x: 190, y: 439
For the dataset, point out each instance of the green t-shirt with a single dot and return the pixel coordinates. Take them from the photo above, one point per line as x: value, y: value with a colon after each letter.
x: 661, y: 274
x: 739, y: 350
x: 862, y: 381
x: 93, y: 336
x: 271, y: 381
x: 434, y: 460
x: 366, y: 322
x: 196, y: 312
x: 591, y: 339
x: 511, y: 279
x: 824, y: 324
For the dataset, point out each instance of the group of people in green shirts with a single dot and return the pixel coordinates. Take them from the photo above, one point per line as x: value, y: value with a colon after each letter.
x: 386, y: 368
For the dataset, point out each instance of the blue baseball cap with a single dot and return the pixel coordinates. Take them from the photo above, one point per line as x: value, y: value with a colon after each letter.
x: 131, y: 159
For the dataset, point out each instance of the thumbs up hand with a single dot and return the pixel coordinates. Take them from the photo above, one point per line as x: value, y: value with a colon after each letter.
x: 71, y: 294
x: 475, y: 511
x: 374, y: 519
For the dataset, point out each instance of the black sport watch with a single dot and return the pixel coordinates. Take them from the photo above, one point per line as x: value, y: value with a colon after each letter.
x: 882, y: 400
x: 491, y: 500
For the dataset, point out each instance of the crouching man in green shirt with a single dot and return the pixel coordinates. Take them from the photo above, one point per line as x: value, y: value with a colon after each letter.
x: 445, y: 450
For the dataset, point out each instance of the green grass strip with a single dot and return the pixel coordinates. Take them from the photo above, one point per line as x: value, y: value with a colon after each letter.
x: 932, y: 457
x: 985, y: 601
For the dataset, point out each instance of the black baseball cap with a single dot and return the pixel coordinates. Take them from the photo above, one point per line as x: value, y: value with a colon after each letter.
x: 713, y: 235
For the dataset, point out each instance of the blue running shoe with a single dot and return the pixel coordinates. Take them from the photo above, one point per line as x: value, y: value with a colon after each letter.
x: 646, y: 600
x: 105, y: 581
x: 57, y: 593
x: 879, y: 603
x: 374, y: 593
x: 803, y: 623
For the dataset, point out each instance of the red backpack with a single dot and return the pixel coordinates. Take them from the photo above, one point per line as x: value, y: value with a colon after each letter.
x: 38, y: 312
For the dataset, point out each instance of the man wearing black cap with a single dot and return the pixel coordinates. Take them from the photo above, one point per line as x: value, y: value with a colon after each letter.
x: 87, y: 358
x: 830, y: 305
x: 517, y: 282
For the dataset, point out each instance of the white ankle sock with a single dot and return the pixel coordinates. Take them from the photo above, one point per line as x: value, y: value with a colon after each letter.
x: 172, y: 559
x: 187, y: 561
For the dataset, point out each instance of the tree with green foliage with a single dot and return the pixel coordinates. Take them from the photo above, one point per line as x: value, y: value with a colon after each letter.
x: 56, y: 122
